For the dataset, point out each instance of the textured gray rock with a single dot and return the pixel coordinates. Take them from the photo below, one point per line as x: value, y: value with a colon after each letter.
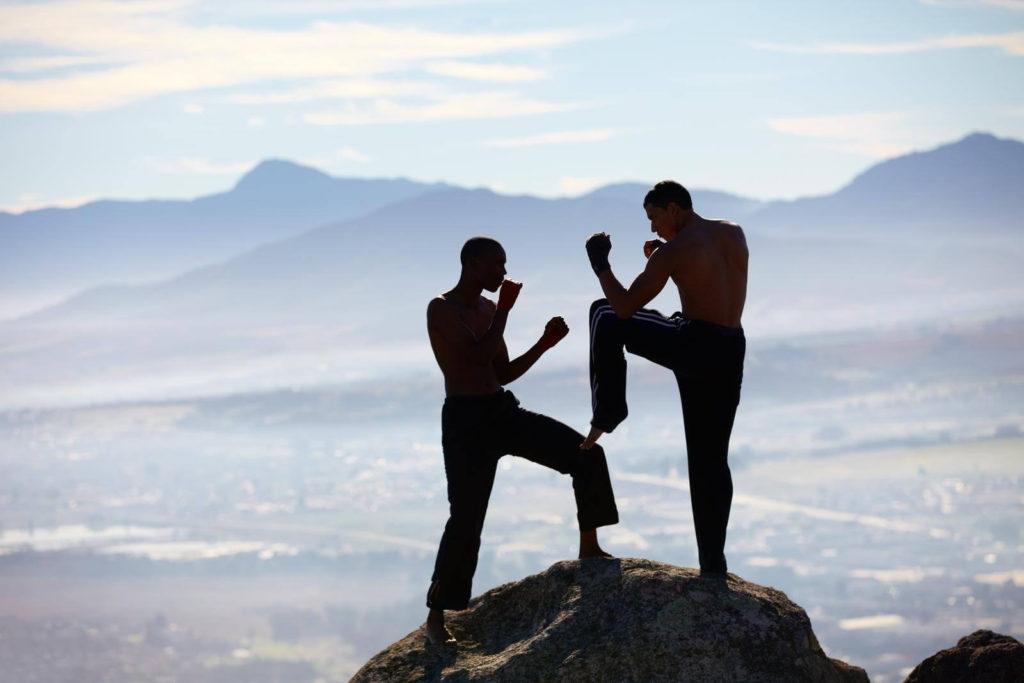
x: 619, y: 620
x: 981, y: 656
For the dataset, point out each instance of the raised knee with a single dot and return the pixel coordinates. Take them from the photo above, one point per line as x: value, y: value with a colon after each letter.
x: 597, y: 305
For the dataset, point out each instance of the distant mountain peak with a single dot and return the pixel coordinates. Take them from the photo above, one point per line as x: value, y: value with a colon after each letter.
x: 976, y: 160
x: 272, y: 173
x: 978, y: 141
x: 979, y: 136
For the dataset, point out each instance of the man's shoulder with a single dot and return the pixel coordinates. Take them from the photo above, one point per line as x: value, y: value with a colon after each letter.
x: 728, y: 229
x: 442, y: 305
x: 724, y: 224
x: 439, y: 307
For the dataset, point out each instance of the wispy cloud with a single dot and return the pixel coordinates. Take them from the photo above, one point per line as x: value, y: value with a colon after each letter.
x: 595, y: 135
x: 1005, y: 4
x: 346, y: 89
x: 321, y: 7
x: 878, y: 621
x: 576, y: 185
x: 841, y: 126
x: 876, y: 135
x: 486, y: 72
x: 349, y: 154
x: 192, y: 108
x: 154, y: 51
x: 31, y: 202
x: 36, y: 64
x: 1011, y: 43
x: 457, y: 107
x: 189, y: 166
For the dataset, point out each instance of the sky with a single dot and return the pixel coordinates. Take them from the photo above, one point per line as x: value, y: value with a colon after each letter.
x: 178, y: 98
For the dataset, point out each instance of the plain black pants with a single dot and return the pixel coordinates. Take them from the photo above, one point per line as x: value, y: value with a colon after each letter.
x: 707, y: 360
x: 475, y: 432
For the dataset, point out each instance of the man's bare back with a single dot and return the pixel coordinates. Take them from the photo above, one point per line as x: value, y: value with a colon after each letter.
x: 707, y: 261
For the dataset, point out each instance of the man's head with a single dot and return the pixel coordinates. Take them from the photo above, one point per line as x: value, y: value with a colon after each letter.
x: 668, y: 206
x: 483, y: 261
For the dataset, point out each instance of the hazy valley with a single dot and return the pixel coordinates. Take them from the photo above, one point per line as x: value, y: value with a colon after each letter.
x: 234, y: 473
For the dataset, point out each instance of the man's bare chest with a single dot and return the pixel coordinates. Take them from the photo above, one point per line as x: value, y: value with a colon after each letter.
x: 477, y: 320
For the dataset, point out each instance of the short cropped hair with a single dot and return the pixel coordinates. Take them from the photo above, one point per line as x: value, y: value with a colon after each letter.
x: 668, y: 191
x: 475, y: 247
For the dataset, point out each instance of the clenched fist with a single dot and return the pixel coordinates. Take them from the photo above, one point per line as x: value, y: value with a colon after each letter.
x: 508, y: 294
x: 554, y: 332
x: 598, y: 246
x: 651, y: 246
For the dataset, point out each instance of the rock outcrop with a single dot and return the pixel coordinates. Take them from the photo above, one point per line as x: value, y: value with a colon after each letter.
x: 981, y: 656
x: 619, y: 620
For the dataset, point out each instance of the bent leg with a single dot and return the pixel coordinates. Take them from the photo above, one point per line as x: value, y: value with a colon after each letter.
x: 548, y: 442
x: 647, y: 334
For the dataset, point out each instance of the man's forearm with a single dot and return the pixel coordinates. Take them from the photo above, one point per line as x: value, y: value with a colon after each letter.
x: 518, y: 367
x: 616, y: 294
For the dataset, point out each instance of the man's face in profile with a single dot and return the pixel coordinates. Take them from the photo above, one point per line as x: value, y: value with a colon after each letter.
x: 662, y: 221
x: 491, y: 268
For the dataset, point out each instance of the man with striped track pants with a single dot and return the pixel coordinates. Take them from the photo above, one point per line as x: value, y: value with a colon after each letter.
x: 704, y: 346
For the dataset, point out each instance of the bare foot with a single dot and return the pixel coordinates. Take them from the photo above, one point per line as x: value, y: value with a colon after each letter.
x: 589, y: 546
x: 591, y: 439
x: 437, y: 632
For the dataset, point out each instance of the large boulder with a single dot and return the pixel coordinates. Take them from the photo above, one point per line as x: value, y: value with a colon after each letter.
x: 981, y: 656
x: 619, y: 620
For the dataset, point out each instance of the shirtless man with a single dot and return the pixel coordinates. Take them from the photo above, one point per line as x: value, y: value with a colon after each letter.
x: 704, y: 345
x: 481, y: 422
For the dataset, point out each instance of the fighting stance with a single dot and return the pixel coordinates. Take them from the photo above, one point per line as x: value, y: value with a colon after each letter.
x: 704, y: 345
x: 480, y: 422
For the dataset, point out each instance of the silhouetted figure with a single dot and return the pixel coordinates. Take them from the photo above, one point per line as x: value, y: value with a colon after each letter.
x: 481, y: 421
x: 704, y: 345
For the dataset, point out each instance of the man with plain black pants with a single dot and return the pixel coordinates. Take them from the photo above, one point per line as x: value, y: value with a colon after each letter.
x: 481, y: 421
x: 704, y: 345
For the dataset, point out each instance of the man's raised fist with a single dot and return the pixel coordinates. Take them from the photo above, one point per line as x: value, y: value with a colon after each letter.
x: 508, y: 294
x: 651, y: 246
x: 598, y: 246
x: 554, y: 332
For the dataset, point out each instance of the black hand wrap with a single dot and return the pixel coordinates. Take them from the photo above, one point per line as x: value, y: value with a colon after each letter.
x: 598, y: 246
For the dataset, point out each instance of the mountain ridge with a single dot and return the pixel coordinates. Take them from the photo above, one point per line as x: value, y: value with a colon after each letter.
x: 43, y: 266
x: 53, y: 253
x: 524, y: 222
x: 969, y: 186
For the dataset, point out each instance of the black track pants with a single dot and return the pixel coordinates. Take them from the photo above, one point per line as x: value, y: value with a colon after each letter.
x: 475, y: 432
x: 707, y: 360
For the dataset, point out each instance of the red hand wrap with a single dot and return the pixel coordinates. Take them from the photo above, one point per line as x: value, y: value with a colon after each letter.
x: 508, y: 294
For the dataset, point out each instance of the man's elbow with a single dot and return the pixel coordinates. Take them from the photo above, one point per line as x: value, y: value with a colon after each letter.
x: 625, y: 310
x: 505, y: 374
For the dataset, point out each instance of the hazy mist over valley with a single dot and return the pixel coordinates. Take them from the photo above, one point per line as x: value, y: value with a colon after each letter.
x: 220, y: 433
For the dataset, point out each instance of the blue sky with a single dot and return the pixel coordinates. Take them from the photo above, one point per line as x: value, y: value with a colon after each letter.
x: 178, y: 98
